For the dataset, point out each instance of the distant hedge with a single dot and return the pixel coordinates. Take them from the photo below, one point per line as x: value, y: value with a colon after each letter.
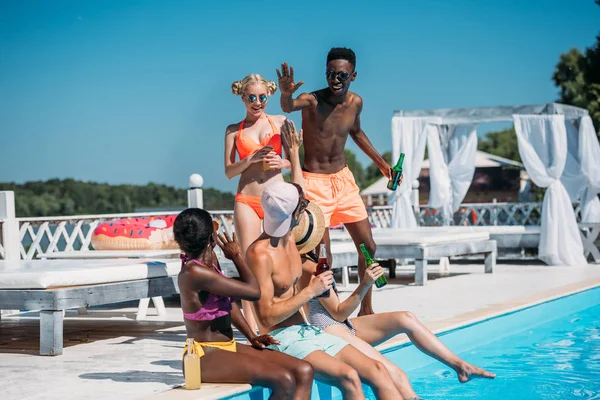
x: 57, y: 197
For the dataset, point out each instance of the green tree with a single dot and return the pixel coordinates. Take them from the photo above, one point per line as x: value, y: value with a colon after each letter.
x: 577, y: 75
x: 502, y: 144
x: 57, y: 197
x: 356, y: 167
x: 372, y: 172
x: 353, y: 164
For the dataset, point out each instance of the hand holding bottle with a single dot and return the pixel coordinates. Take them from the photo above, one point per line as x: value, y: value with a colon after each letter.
x: 374, y: 272
x: 396, y: 177
x: 381, y: 281
x: 321, y: 283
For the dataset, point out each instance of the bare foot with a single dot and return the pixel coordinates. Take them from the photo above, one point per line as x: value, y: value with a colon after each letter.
x: 466, y: 372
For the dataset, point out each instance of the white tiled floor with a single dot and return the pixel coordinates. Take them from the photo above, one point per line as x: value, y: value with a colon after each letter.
x: 109, y: 355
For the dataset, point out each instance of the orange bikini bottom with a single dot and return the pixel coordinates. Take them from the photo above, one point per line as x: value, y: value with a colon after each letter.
x: 253, y: 202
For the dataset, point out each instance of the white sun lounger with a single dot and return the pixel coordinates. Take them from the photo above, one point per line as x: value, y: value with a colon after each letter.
x: 418, y: 244
x: 506, y: 236
x: 107, y: 254
x: 116, y: 254
x: 53, y: 286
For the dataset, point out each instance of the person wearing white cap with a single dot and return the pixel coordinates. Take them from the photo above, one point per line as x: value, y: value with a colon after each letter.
x: 276, y: 262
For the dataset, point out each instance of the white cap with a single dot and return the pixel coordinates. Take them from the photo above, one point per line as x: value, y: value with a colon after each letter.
x: 279, y: 200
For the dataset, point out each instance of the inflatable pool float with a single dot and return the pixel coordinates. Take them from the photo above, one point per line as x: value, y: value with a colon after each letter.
x: 145, y: 233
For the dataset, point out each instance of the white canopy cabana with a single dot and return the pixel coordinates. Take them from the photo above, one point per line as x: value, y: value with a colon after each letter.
x: 482, y: 160
x: 567, y: 167
x: 485, y: 160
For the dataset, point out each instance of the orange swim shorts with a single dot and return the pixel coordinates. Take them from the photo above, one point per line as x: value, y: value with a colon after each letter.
x: 336, y: 195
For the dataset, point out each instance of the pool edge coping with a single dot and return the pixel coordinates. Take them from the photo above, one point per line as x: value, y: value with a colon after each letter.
x: 497, y: 310
x: 437, y: 327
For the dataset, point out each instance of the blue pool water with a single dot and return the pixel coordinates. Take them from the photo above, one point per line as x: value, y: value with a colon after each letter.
x: 557, y: 359
x: 550, y: 351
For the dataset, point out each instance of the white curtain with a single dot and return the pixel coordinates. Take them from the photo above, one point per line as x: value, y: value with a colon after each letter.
x: 408, y: 137
x: 572, y: 177
x: 582, y: 170
x: 542, y: 141
x: 589, y: 153
x: 451, y: 165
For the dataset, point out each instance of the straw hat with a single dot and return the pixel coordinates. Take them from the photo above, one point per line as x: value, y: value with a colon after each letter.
x: 310, y: 229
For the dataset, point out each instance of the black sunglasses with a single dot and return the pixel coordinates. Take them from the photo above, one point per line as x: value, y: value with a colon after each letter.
x: 302, y: 205
x: 342, y: 76
x: 252, y: 98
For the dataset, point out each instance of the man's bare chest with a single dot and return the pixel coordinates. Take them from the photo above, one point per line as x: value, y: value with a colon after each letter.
x: 286, y: 277
x: 325, y: 121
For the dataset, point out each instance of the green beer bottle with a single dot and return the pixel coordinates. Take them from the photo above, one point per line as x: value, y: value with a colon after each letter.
x: 381, y: 281
x: 396, y: 173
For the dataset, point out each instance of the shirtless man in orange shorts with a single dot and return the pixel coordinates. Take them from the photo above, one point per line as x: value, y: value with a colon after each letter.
x: 328, y: 116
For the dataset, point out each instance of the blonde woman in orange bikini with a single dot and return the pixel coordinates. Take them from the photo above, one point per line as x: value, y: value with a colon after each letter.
x: 257, y: 142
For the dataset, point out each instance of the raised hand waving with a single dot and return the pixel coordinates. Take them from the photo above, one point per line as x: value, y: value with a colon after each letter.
x: 286, y: 79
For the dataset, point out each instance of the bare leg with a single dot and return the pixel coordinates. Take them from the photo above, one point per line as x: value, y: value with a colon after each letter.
x: 398, y: 376
x: 336, y: 373
x: 375, y: 329
x: 361, y: 233
x: 247, y: 228
x: 221, y: 366
x: 300, y: 369
x: 373, y: 372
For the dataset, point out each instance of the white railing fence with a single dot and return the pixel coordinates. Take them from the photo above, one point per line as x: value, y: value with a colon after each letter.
x: 70, y: 233
x: 471, y: 214
x: 74, y: 233
x: 25, y: 238
x: 28, y: 237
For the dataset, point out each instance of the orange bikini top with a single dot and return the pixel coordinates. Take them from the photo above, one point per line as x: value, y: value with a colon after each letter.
x: 246, y: 146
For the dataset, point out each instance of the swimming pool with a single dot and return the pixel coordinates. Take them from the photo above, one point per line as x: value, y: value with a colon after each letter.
x: 549, y: 351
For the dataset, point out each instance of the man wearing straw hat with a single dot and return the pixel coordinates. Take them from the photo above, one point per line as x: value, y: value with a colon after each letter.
x: 332, y: 315
x: 277, y: 265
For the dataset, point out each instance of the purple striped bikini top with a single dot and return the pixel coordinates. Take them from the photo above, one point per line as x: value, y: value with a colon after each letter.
x: 214, y: 306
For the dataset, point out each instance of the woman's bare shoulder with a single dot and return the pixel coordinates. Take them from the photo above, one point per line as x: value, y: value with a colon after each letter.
x: 233, y: 128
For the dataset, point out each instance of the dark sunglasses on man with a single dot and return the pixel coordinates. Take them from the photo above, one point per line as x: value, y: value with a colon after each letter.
x: 302, y: 205
x: 341, y: 76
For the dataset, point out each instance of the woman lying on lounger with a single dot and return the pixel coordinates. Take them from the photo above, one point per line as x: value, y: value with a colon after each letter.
x: 209, y: 311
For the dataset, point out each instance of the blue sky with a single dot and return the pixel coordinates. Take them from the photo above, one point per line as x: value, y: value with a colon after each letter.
x: 139, y: 91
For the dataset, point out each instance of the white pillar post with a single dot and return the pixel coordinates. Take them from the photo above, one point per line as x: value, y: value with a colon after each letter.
x: 195, y: 199
x: 10, y: 227
x: 9, y: 232
x: 415, y: 197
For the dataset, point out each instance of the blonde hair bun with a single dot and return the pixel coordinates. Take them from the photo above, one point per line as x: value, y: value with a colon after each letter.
x: 236, y: 88
x: 271, y: 87
x: 239, y: 87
